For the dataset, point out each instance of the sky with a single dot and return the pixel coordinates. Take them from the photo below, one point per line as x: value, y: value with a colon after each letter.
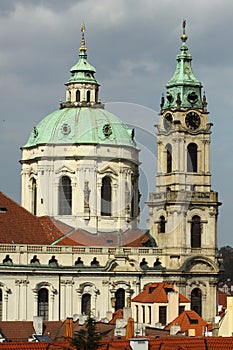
x: 133, y: 45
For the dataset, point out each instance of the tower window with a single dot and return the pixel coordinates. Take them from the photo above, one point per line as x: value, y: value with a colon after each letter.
x: 78, y: 96
x: 106, y: 196
x: 65, y: 196
x: 34, y: 197
x: 120, y: 299
x: 196, y: 232
x: 43, y: 305
x: 86, y: 304
x: 162, y: 224
x: 196, y: 301
x: 169, y: 158
x: 88, y: 96
x: 192, y: 158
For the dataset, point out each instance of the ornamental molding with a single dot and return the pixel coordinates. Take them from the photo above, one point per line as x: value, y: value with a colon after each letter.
x: 87, y: 287
x: 32, y: 173
x: 64, y: 170
x: 46, y: 285
x: 108, y: 170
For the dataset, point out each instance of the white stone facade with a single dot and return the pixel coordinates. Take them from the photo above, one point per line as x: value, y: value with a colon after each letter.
x: 86, y: 166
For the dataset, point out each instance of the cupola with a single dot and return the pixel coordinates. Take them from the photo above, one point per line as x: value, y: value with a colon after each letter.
x: 82, y: 87
x: 183, y: 89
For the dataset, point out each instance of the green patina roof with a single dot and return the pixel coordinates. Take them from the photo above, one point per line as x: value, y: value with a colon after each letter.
x: 82, y: 71
x: 183, y: 83
x: 81, y: 125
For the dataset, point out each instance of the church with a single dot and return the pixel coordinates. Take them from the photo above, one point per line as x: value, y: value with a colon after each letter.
x: 74, y: 246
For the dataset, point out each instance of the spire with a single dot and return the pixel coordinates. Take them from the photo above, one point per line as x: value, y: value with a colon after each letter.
x: 183, y: 81
x: 83, y: 48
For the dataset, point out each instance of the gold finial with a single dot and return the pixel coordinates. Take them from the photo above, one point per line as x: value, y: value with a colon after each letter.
x: 184, y: 36
x: 83, y: 29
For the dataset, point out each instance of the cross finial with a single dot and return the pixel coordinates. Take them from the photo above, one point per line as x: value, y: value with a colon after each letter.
x: 184, y: 25
x: 184, y: 36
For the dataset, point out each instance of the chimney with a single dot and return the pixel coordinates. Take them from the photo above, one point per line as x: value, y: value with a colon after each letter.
x: 38, y: 324
x: 69, y: 328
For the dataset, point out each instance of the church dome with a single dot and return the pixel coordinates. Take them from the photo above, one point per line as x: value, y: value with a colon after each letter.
x: 81, y: 125
x: 82, y: 118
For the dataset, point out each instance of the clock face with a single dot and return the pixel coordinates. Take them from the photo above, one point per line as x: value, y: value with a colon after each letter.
x: 167, y: 121
x: 192, y: 120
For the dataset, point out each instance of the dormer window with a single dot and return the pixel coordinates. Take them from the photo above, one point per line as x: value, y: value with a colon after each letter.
x: 151, y: 289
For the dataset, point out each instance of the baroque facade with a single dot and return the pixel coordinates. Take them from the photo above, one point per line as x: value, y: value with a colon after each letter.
x: 83, y: 251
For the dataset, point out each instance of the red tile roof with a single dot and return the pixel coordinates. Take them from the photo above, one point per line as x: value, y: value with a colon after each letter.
x: 189, y: 319
x: 163, y: 343
x: 22, y: 330
x: 157, y: 293
x: 18, y: 226
x: 175, y: 343
x: 130, y: 238
x: 222, y: 298
x: 36, y: 346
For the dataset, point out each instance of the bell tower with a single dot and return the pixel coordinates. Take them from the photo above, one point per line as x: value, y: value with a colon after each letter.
x: 183, y: 210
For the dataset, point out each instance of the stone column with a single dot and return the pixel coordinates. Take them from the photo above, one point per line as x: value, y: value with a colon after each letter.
x: 24, y: 299
x: 17, y: 299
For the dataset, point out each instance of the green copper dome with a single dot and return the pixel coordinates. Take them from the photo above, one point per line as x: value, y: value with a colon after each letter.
x: 81, y: 125
x: 80, y: 121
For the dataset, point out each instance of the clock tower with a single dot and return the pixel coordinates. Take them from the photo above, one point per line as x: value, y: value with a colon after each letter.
x: 183, y: 210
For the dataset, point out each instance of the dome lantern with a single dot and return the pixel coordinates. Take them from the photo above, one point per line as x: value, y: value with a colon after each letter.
x: 82, y: 87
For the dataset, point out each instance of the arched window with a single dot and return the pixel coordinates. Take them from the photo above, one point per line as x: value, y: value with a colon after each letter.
x: 43, y: 303
x: 88, y: 95
x: 65, y: 196
x: 196, y: 301
x: 169, y: 158
x: 106, y: 196
x: 120, y: 299
x: 77, y: 95
x: 86, y: 304
x: 192, y: 158
x: 162, y: 223
x: 196, y: 232
x: 1, y: 304
x: 34, y: 197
